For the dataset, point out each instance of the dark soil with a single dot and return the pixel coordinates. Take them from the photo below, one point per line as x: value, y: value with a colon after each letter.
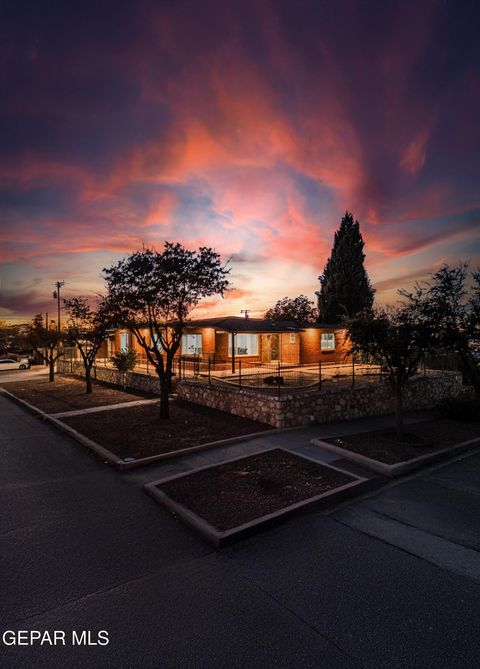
x: 138, y: 432
x: 235, y: 493
x: 420, y: 439
x: 68, y: 394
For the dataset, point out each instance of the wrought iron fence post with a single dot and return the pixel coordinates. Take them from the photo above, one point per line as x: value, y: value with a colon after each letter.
x: 209, y: 365
x: 240, y: 373
x: 319, y: 373
x: 353, y: 371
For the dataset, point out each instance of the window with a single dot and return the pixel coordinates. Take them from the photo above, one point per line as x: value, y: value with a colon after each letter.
x: 124, y: 341
x: 157, y: 342
x: 327, y: 341
x: 292, y: 338
x: 192, y: 344
x: 245, y: 344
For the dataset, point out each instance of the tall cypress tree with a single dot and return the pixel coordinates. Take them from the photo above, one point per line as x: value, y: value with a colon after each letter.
x: 344, y: 284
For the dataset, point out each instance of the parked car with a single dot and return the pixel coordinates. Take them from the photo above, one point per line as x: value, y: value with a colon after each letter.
x: 10, y: 363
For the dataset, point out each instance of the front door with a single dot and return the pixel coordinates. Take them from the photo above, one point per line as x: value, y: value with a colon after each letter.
x: 274, y: 348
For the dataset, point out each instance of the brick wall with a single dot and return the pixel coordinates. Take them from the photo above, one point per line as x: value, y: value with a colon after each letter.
x: 310, y: 346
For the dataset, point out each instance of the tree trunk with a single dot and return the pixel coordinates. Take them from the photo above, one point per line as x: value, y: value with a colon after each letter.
x: 164, y: 393
x: 398, y: 413
x: 88, y: 379
x: 51, y: 367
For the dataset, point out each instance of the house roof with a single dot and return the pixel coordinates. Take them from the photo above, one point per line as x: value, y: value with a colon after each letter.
x: 241, y: 324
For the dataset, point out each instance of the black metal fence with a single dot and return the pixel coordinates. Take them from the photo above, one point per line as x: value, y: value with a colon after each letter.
x: 279, y: 377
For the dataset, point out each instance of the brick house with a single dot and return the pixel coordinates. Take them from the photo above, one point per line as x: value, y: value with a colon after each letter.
x: 225, y: 340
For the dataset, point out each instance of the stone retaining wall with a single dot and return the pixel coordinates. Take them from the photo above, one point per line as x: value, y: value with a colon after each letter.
x: 289, y: 410
x: 321, y: 407
x: 129, y: 380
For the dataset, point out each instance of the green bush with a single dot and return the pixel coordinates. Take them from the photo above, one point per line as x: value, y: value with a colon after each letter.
x: 124, y: 361
x: 460, y: 409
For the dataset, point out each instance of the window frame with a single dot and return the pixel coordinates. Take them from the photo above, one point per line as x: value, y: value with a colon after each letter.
x: 330, y: 337
x: 198, y: 349
x: 242, y: 355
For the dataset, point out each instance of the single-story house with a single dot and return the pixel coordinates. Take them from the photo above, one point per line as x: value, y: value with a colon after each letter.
x: 225, y: 340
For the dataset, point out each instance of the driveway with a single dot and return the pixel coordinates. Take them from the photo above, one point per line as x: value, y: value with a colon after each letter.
x: 83, y: 549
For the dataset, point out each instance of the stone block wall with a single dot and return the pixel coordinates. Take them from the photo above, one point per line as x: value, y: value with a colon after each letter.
x: 321, y: 407
x: 130, y: 380
x: 289, y: 410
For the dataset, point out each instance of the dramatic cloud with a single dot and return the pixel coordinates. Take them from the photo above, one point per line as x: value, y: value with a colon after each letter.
x: 249, y: 127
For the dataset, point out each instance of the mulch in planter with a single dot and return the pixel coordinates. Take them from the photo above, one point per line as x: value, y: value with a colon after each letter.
x: 420, y: 439
x: 138, y: 432
x: 238, y: 492
x: 68, y: 394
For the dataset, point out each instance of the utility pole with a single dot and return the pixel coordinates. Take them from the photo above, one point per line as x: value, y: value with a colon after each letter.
x: 245, y: 311
x: 56, y: 295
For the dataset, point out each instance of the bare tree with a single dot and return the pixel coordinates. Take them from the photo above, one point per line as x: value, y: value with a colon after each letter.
x: 46, y: 343
x: 87, y: 330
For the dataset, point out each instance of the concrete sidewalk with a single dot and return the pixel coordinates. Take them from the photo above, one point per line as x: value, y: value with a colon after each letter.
x: 83, y: 549
x: 296, y: 440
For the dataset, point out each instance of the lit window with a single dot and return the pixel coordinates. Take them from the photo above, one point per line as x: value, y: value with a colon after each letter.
x: 292, y: 338
x: 124, y: 341
x: 327, y: 341
x: 157, y: 342
x: 192, y: 344
x: 245, y: 344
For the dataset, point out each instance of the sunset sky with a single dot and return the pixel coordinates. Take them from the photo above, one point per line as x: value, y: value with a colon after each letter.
x: 249, y: 126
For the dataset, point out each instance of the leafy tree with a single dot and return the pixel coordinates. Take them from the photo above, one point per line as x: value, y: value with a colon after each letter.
x: 451, y: 308
x: 46, y: 343
x: 299, y: 309
x: 396, y: 339
x: 345, y: 288
x: 87, y: 329
x: 155, y: 291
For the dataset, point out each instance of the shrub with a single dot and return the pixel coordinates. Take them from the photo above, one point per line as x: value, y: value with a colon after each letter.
x: 124, y: 361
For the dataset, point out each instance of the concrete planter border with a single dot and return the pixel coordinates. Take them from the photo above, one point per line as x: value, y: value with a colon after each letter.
x: 219, y: 538
x: 401, y: 467
x: 120, y: 463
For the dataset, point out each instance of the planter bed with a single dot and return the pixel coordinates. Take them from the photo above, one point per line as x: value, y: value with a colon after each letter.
x: 424, y: 443
x: 68, y: 394
x: 135, y: 434
x: 227, y: 501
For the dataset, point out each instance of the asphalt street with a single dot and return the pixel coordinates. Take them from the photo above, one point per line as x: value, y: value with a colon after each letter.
x: 392, y: 580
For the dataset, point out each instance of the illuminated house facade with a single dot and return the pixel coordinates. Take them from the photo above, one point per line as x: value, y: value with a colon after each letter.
x: 255, y: 340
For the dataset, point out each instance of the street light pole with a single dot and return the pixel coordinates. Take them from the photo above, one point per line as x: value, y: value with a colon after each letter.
x: 56, y: 293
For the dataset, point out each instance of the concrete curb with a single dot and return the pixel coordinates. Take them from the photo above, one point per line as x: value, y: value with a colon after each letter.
x: 120, y: 463
x: 103, y: 453
x: 219, y: 538
x: 402, y: 467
